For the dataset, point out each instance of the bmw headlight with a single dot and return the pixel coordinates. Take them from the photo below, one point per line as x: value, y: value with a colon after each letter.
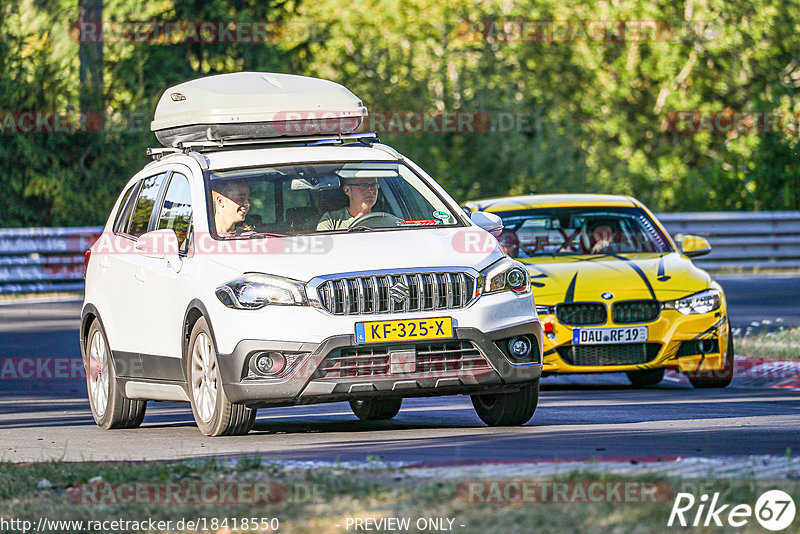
x: 507, y: 275
x: 254, y: 291
x: 702, y: 302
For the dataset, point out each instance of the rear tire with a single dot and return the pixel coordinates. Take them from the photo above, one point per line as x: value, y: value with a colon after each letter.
x: 373, y: 409
x: 507, y: 409
x: 645, y: 377
x: 719, y: 378
x: 214, y: 414
x: 110, y: 409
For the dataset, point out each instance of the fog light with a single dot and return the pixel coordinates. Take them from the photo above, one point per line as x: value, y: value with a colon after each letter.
x: 269, y: 363
x: 519, y: 347
x: 705, y: 346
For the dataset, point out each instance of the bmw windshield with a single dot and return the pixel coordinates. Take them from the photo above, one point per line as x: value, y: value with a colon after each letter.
x: 580, y: 230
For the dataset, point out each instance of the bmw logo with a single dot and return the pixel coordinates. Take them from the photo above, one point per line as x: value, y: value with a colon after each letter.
x: 607, y: 296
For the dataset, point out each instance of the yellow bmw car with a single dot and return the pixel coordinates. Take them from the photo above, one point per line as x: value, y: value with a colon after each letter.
x: 614, y: 291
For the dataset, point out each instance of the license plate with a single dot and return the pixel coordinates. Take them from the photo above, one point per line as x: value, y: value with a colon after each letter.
x: 404, y: 330
x: 602, y: 336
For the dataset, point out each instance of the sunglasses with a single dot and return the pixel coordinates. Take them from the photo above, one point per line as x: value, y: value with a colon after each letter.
x: 365, y: 187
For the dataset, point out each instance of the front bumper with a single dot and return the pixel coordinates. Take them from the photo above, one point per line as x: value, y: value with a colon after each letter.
x: 478, y: 366
x: 673, y: 338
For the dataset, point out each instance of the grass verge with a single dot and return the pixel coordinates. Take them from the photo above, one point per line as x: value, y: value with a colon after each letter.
x: 332, y: 500
x: 775, y: 345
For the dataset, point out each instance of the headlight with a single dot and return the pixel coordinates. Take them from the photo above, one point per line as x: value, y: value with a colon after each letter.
x: 702, y: 302
x: 507, y: 275
x: 254, y: 291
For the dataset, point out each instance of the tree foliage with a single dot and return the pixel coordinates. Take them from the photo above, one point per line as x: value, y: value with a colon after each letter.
x: 566, y: 115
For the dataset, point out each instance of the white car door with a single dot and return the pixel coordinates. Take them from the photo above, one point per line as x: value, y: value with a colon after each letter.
x: 165, y: 283
x: 119, y: 270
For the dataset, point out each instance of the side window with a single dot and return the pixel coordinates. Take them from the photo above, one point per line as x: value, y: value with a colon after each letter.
x: 144, y: 204
x: 120, y: 218
x: 176, y: 213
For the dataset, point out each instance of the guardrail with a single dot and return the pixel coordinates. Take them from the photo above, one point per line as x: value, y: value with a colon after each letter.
x: 742, y: 240
x: 51, y: 259
x: 35, y: 260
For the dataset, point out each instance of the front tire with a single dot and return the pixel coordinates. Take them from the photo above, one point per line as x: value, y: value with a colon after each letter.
x: 719, y: 378
x: 110, y: 409
x: 507, y: 409
x: 645, y: 377
x: 214, y: 414
x: 373, y: 409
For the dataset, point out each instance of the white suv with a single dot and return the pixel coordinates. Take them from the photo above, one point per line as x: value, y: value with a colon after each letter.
x: 235, y: 279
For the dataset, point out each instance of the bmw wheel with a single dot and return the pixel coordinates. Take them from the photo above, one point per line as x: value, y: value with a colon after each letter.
x: 646, y: 377
x: 214, y: 413
x: 719, y: 378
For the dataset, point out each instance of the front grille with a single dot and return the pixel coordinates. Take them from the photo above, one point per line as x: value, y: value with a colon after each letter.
x: 635, y: 311
x: 430, y: 359
x: 388, y: 293
x: 617, y: 354
x: 581, y: 313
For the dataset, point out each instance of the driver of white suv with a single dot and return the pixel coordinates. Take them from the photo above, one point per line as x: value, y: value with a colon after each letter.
x: 363, y: 194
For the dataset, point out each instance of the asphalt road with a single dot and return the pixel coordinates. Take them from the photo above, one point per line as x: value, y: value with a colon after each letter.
x: 48, y: 418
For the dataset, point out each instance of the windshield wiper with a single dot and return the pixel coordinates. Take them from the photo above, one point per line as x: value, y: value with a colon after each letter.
x: 264, y: 234
x: 360, y: 229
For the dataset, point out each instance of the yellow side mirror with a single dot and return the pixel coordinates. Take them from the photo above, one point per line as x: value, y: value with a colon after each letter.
x: 693, y: 245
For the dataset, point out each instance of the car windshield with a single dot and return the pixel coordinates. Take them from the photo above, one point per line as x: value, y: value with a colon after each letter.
x: 323, y: 197
x: 580, y: 230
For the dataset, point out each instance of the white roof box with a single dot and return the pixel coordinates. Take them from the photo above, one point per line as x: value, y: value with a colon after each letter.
x: 254, y: 105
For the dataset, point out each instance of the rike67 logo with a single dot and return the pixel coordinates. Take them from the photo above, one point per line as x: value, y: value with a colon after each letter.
x: 774, y: 510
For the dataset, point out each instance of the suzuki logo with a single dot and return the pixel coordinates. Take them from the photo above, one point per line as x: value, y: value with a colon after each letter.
x: 399, y: 292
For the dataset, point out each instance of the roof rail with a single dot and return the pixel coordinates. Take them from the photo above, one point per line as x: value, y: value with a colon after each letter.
x: 208, y: 146
x: 272, y: 142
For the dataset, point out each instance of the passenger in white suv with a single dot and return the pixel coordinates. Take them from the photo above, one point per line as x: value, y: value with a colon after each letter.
x: 413, y: 298
x: 231, y: 203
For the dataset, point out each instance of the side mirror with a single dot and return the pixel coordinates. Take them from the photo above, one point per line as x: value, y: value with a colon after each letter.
x: 488, y: 221
x: 693, y: 245
x: 161, y: 245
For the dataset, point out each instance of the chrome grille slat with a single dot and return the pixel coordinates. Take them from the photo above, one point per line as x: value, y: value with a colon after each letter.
x: 375, y: 299
x: 421, y: 280
x: 406, y: 302
x: 370, y: 293
x: 449, y: 278
x: 361, y: 303
x: 463, y: 279
x: 346, y: 290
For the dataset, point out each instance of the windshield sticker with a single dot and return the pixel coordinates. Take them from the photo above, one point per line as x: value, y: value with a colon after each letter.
x: 443, y: 215
x: 420, y: 222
